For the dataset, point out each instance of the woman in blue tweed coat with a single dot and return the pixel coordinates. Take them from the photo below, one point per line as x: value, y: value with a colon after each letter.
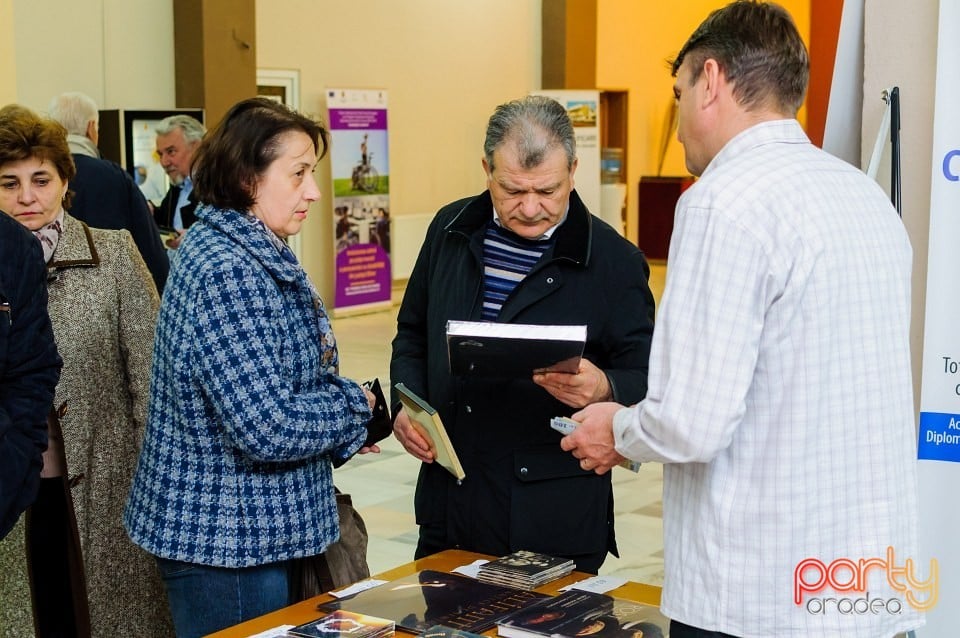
x: 247, y: 408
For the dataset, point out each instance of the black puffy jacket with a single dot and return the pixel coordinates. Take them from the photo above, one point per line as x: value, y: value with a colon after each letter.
x: 29, y: 369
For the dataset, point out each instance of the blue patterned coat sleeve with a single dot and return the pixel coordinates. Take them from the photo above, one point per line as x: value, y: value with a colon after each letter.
x: 246, y: 406
x: 244, y: 367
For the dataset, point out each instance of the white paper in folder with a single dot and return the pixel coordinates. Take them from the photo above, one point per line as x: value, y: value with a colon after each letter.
x: 612, y: 199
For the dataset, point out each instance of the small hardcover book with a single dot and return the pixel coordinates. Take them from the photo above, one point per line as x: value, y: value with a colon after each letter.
x: 489, y: 349
x: 420, y: 601
x: 425, y: 418
x: 575, y: 614
x: 345, y: 624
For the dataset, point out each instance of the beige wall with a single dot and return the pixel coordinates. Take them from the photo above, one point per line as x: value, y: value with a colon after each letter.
x: 900, y: 49
x: 634, y: 41
x: 8, y: 67
x: 120, y: 52
x: 446, y: 65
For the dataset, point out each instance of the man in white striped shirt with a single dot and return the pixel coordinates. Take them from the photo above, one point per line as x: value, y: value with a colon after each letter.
x: 780, y: 398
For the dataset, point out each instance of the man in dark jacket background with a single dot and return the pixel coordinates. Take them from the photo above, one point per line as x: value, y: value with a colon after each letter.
x: 178, y: 138
x: 525, y: 251
x: 104, y: 195
x: 29, y: 369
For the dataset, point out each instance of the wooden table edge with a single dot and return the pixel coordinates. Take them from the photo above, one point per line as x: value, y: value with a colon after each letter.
x: 446, y: 561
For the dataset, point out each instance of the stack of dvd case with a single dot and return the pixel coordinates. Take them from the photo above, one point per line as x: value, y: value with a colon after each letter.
x: 524, y: 570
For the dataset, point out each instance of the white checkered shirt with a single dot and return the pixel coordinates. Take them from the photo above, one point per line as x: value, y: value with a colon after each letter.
x: 780, y: 397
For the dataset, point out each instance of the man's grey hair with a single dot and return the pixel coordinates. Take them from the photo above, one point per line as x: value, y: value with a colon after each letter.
x: 74, y: 110
x: 193, y: 130
x: 536, y: 124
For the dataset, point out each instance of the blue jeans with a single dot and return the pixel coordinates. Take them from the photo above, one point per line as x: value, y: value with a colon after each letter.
x: 205, y: 599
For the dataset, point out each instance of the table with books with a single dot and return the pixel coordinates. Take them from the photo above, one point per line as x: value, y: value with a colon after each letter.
x: 525, y: 613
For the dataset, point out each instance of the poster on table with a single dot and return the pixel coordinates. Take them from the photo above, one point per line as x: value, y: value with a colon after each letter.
x: 361, y: 198
x: 583, y: 107
x: 939, y: 436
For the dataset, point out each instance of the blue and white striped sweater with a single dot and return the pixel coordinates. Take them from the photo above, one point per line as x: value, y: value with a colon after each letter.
x: 507, y: 260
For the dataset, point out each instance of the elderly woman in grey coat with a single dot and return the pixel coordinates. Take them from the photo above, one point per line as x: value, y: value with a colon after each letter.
x: 103, y: 306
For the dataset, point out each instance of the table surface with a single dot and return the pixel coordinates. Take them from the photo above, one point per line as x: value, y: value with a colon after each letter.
x: 444, y: 561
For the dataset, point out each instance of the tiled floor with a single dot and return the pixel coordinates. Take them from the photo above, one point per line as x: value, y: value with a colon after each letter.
x: 382, y: 485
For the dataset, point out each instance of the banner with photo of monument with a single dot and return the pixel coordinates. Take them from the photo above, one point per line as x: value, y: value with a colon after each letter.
x: 361, y: 198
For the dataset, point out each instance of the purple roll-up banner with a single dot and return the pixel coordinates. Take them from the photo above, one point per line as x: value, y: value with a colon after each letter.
x: 360, y: 166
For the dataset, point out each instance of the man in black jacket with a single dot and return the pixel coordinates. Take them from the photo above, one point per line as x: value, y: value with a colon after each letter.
x: 525, y: 251
x: 104, y: 195
x: 178, y: 137
x: 29, y: 369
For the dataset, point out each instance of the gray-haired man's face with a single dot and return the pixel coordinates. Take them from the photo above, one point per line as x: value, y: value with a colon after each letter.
x: 529, y: 201
x: 175, y: 153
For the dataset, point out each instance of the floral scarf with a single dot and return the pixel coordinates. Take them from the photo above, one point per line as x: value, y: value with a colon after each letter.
x: 49, y: 236
x: 329, y: 357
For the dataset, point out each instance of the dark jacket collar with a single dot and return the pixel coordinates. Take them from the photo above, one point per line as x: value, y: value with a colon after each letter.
x: 76, y: 247
x: 572, y: 237
x: 168, y: 208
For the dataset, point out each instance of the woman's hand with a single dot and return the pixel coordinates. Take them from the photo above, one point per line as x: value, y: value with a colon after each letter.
x: 371, y: 398
x: 174, y: 242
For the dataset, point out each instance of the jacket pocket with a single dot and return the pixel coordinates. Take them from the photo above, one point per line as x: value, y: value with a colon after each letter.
x: 170, y: 568
x: 557, y: 507
x: 430, y: 497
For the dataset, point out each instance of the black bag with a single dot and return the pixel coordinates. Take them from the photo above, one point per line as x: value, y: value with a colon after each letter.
x: 58, y: 586
x: 380, y: 426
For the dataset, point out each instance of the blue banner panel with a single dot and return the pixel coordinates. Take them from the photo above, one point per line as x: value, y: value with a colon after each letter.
x: 939, y: 437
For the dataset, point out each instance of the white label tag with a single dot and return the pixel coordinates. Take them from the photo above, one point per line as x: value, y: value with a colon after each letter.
x: 597, y: 584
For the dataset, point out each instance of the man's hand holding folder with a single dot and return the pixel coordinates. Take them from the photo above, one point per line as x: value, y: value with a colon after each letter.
x: 588, y: 385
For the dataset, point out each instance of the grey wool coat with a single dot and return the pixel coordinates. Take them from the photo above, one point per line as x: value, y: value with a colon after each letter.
x: 103, y: 305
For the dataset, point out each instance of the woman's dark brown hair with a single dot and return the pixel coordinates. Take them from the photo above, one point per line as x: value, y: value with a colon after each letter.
x: 230, y: 160
x: 25, y: 135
